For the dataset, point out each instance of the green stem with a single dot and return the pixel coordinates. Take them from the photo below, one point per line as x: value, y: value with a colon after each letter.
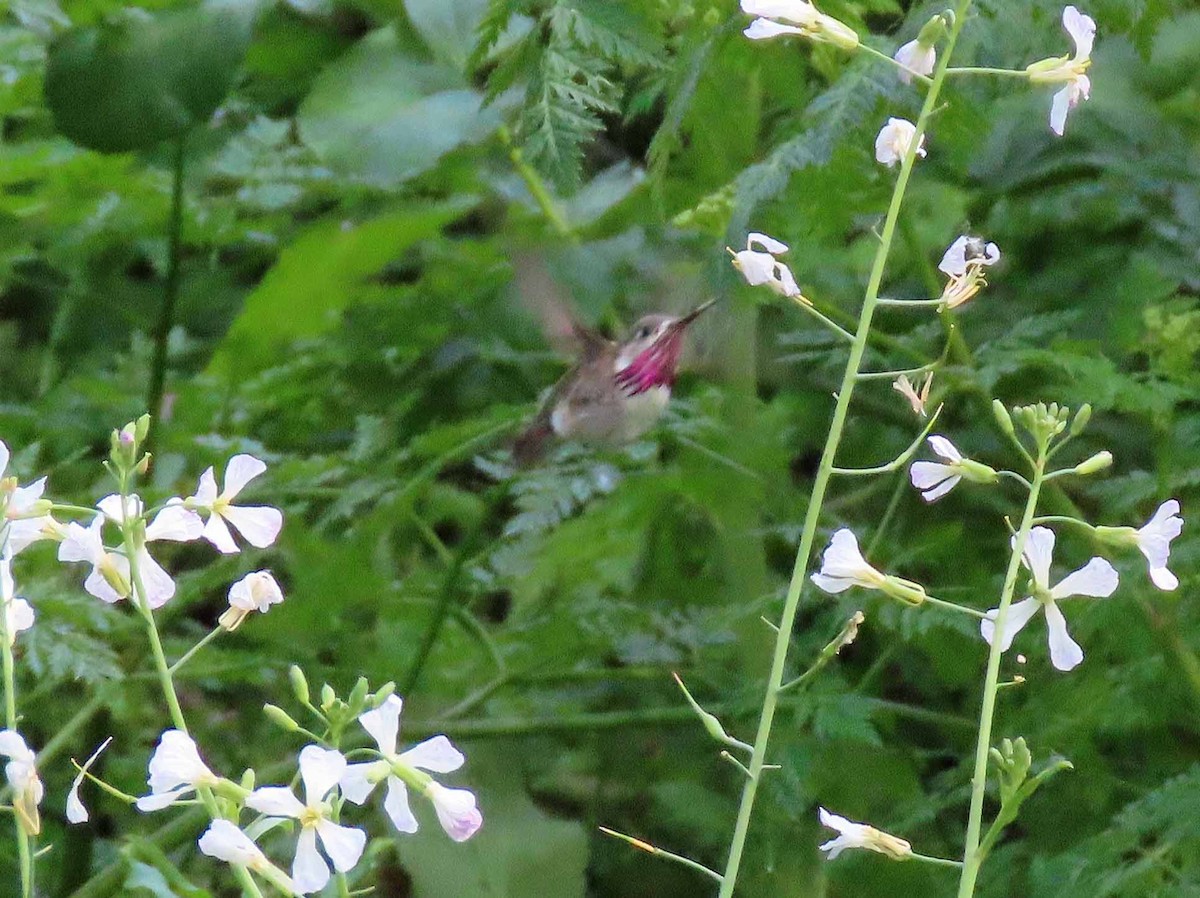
x: 166, y: 314
x: 187, y: 656
x: 937, y: 861
x: 162, y: 669
x: 812, y: 310
x: 536, y: 186
x: 659, y: 852
x: 972, y: 856
x: 24, y: 849
x: 246, y: 881
x: 986, y: 70
x: 917, y: 76
x: 825, y: 471
x: 955, y: 607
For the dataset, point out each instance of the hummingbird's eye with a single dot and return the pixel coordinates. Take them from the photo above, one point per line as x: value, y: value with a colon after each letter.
x: 643, y: 332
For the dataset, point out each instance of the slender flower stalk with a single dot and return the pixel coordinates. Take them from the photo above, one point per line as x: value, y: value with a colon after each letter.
x: 972, y: 856
x: 825, y: 472
x: 25, y: 849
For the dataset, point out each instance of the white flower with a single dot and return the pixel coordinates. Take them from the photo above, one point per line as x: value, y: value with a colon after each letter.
x: 917, y: 58
x: 859, y: 835
x: 22, y: 775
x: 1070, y: 71
x: 226, y: 842
x: 1154, y: 541
x: 25, y: 510
x: 259, y: 524
x: 935, y: 479
x: 109, y: 580
x: 967, y: 252
x: 843, y: 566
x: 894, y: 140
x: 320, y: 769
x: 76, y: 811
x: 257, y: 591
x: 1097, y: 579
x: 18, y: 614
x: 806, y: 21
x: 456, y: 808
x: 176, y: 770
x: 759, y: 267
x: 908, y: 390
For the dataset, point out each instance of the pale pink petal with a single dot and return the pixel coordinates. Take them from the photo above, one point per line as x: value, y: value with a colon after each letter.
x: 259, y: 524
x: 24, y: 496
x: 397, y: 807
x: 436, y: 755
x: 277, y: 801
x: 383, y: 723
x: 343, y: 844
x: 1065, y: 653
x: 240, y: 471
x: 456, y: 811
x: 1097, y: 578
x: 310, y: 873
x: 1082, y: 29
x: 1019, y: 614
x: 320, y: 769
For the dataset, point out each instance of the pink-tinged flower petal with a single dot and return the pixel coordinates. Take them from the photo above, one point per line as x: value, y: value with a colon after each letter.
x: 1097, y: 579
x: 206, y: 490
x: 770, y: 244
x: 218, y: 534
x: 1019, y: 614
x: 310, y: 873
x: 356, y: 783
x: 343, y: 844
x: 944, y: 448
x: 397, y: 807
x: 383, y: 723
x: 77, y: 812
x: 456, y: 811
x: 259, y: 524
x: 437, y: 755
x: 240, y: 471
x: 320, y: 769
x: 765, y: 29
x: 1065, y: 653
x: 157, y: 582
x: 1039, y: 552
x: 276, y: 801
x: 1082, y: 29
x: 175, y: 523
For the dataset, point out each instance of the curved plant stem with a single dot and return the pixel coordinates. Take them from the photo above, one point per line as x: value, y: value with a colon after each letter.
x: 166, y: 314
x: 972, y: 856
x: 825, y: 471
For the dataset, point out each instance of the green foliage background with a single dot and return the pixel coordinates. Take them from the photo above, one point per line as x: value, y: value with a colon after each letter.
x: 355, y: 225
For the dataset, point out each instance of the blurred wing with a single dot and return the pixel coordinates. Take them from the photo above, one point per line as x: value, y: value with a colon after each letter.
x: 542, y: 296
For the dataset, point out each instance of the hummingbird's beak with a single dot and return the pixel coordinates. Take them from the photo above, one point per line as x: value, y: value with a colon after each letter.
x: 695, y: 313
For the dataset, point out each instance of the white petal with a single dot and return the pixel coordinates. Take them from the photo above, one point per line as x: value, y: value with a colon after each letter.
x: 1097, y: 578
x: 397, y: 807
x: 175, y: 762
x: 157, y: 582
x: 927, y: 474
x: 355, y: 783
x: 175, y: 523
x: 764, y: 29
x: 1065, y: 653
x: 23, y: 497
x: 786, y: 283
x: 76, y: 811
x: 343, y: 844
x: 940, y: 490
x: 5, y: 455
x: 257, y: 591
x: 1163, y: 578
x: 832, y: 585
x: 320, y: 769
x: 82, y: 543
x: 1082, y: 29
x: 1019, y: 614
x: 843, y: 560
x: 156, y: 801
x: 278, y: 801
x: 19, y: 617
x: 96, y: 585
x: 954, y: 262
x: 13, y: 745
x: 224, y: 841
x: 456, y: 811
x: 757, y: 268
x: 240, y: 471
x: 206, y: 491
x: 1039, y: 552
x: 310, y: 873
x: 218, y: 534
x: 384, y: 724
x: 1059, y: 108
x: 259, y: 524
x: 119, y: 509
x: 770, y: 244
x: 437, y: 755
x: 943, y: 447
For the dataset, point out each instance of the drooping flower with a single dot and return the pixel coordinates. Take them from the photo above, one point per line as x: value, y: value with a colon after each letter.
x: 843, y: 566
x: 176, y: 770
x: 259, y: 524
x: 456, y: 808
x: 320, y: 770
x: 760, y: 267
x: 226, y: 842
x: 256, y: 591
x: 963, y: 264
x: 894, y: 141
x: 935, y: 479
x: 916, y: 399
x: 109, y: 579
x: 21, y: 773
x: 1153, y: 539
x: 77, y: 812
x: 860, y: 835
x: 1097, y: 579
x: 799, y: 17
x: 1070, y: 71
x: 917, y: 57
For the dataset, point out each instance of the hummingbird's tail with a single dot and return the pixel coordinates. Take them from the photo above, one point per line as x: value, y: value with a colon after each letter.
x: 531, y: 445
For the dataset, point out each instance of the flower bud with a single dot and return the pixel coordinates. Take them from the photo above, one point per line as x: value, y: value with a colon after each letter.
x: 902, y: 590
x: 837, y: 33
x: 328, y: 697
x: 382, y: 694
x: 1117, y: 537
x: 248, y: 779
x: 280, y: 718
x: 1002, y: 417
x: 933, y: 30
x: 1097, y: 462
x: 977, y: 471
x: 358, y: 696
x: 1081, y: 419
x: 299, y: 684
x: 709, y: 721
x: 141, y: 428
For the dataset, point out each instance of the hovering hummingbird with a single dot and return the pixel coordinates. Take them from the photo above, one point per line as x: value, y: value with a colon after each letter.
x: 616, y: 391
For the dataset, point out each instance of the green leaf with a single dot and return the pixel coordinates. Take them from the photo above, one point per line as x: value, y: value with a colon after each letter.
x: 382, y: 117
x: 317, y: 277
x: 137, y: 80
x: 448, y: 26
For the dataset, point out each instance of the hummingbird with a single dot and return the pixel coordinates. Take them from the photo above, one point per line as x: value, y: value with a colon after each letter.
x: 616, y: 391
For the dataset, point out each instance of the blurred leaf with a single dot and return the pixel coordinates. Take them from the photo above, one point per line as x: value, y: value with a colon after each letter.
x: 448, y: 26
